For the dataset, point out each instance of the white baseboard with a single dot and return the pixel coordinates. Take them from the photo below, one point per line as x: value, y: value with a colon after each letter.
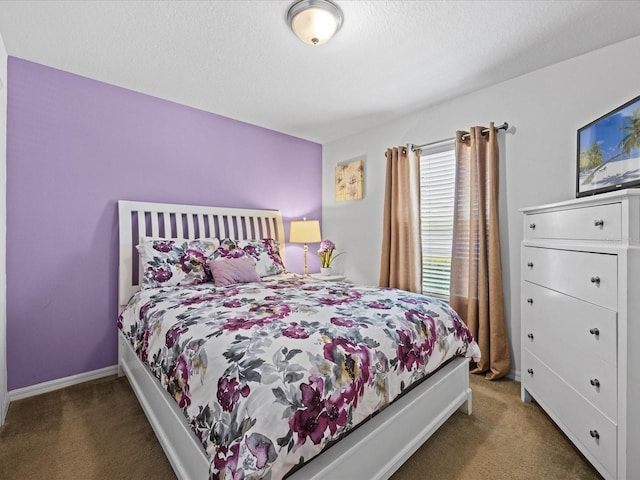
x: 4, y: 408
x: 59, y: 383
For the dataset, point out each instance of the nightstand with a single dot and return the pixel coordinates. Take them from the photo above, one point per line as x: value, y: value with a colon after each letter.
x: 329, y: 278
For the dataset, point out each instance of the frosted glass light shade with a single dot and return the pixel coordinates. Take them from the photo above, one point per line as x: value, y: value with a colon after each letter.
x: 314, y: 21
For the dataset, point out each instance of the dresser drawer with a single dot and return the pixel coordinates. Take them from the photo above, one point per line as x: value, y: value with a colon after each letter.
x: 589, y: 276
x: 572, y: 412
x: 588, y: 328
x: 556, y: 329
x: 600, y: 222
x: 603, y: 394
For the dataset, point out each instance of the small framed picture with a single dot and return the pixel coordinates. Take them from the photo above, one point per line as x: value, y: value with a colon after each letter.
x: 349, y: 181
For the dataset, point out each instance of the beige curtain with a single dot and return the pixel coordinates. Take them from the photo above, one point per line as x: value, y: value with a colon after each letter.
x: 476, y: 270
x: 400, y: 260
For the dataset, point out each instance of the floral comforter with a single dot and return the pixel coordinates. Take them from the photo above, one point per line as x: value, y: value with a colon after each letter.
x: 269, y: 374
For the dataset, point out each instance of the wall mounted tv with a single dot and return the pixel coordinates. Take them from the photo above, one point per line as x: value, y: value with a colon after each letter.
x: 609, y: 151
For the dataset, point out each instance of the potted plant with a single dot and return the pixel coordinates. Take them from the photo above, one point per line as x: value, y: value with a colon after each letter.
x: 325, y: 252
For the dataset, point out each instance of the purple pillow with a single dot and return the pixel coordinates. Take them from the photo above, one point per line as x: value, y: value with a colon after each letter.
x: 227, y: 271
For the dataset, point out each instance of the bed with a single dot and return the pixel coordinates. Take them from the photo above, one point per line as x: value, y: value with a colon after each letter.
x: 312, y: 352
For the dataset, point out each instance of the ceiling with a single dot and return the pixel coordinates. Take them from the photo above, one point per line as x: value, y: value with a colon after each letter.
x: 239, y: 59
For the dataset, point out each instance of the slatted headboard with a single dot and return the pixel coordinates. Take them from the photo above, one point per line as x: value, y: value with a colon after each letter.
x: 144, y: 219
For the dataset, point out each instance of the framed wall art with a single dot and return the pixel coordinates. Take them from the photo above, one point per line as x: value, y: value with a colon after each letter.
x: 349, y: 178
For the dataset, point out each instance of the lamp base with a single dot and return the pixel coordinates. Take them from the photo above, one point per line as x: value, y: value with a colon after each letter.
x: 306, y: 267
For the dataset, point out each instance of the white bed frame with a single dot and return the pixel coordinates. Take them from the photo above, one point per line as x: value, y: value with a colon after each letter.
x: 372, y: 451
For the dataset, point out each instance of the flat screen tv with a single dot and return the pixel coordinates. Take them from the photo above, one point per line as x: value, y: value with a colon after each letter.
x: 609, y: 151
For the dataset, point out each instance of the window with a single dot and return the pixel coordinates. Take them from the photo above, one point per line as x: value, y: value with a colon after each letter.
x: 437, y: 182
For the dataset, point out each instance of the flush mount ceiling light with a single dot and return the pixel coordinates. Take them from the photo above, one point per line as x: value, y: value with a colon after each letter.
x: 314, y: 21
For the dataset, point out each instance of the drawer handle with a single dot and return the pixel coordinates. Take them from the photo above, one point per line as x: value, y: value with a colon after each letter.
x: 532, y: 226
x: 530, y: 301
x: 530, y: 264
x: 598, y: 223
x: 530, y: 371
x: 595, y: 382
x: 594, y: 434
x: 594, y: 331
x: 595, y: 280
x: 530, y: 336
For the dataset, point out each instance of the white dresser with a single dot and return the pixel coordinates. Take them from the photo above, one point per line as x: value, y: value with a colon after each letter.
x: 581, y: 324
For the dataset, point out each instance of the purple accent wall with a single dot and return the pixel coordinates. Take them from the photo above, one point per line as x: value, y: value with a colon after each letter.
x: 75, y: 146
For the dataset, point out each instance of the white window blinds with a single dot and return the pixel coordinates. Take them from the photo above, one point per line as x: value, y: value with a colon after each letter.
x: 437, y: 182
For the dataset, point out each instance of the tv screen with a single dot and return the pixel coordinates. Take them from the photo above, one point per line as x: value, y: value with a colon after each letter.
x: 609, y: 151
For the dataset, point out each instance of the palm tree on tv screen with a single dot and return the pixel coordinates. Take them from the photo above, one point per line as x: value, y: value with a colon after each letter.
x: 591, y: 157
x: 632, y: 129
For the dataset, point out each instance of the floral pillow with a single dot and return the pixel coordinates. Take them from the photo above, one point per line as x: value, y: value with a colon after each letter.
x: 264, y: 252
x: 171, y: 262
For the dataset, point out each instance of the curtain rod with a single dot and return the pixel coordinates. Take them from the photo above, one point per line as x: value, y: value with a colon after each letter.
x: 504, y: 126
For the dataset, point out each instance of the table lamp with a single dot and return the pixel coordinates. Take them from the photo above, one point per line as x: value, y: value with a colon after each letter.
x: 305, y: 231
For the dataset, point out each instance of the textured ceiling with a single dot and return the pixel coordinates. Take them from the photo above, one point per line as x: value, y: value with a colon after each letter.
x: 239, y: 59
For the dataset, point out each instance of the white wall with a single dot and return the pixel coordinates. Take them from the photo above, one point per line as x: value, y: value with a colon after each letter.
x: 538, y: 155
x: 4, y: 399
